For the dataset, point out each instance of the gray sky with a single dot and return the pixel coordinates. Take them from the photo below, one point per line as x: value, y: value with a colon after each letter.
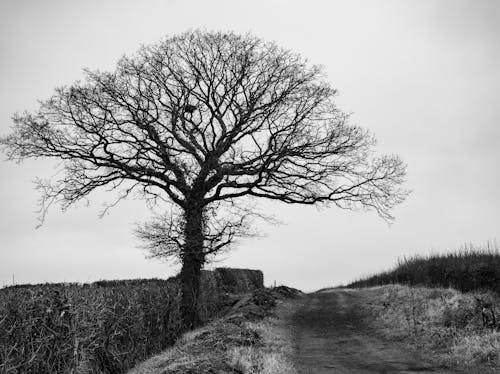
x: 422, y: 75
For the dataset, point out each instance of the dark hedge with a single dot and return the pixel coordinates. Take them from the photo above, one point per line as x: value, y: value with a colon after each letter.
x: 103, y: 327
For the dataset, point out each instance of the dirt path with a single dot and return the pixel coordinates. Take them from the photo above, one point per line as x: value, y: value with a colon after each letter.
x: 331, y: 336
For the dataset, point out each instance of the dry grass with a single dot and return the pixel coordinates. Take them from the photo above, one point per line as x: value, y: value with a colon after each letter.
x: 445, y: 322
x: 238, y: 343
x: 200, y: 351
x: 257, y: 361
x: 273, y: 356
x: 483, y: 348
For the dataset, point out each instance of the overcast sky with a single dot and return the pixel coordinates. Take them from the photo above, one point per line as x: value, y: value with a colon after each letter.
x: 424, y: 76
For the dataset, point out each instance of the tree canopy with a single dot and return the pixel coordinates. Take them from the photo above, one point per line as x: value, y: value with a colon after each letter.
x: 202, y: 119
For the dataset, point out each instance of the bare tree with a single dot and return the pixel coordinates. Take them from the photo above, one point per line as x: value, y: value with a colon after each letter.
x: 199, y: 119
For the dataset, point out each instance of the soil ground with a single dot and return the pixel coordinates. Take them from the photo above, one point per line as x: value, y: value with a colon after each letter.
x: 331, y: 335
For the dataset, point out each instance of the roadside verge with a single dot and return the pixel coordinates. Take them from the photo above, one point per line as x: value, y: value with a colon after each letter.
x: 249, y: 338
x: 454, y: 329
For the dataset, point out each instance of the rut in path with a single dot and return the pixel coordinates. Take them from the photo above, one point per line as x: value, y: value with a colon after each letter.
x: 331, y: 336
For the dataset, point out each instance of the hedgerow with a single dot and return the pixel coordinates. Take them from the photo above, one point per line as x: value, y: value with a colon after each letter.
x: 85, y: 328
x: 104, y: 327
x: 468, y: 269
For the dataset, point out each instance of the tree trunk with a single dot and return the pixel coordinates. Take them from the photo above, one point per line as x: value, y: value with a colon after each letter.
x: 193, y: 259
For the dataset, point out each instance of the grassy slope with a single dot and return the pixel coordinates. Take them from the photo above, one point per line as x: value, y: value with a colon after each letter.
x: 249, y: 339
x: 439, y: 306
x: 444, y: 322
